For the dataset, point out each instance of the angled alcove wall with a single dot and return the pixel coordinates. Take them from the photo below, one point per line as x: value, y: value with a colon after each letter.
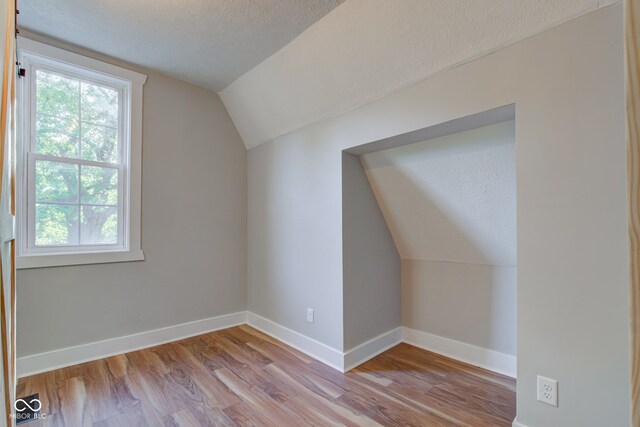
x: 443, y: 198
x: 371, y: 263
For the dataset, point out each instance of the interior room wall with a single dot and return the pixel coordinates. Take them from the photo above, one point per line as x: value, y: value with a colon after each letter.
x: 295, y: 249
x: 450, y: 203
x: 193, y: 233
x: 371, y: 263
x: 573, y: 325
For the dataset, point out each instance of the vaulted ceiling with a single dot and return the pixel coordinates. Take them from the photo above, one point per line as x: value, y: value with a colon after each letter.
x: 207, y: 42
x: 280, y: 65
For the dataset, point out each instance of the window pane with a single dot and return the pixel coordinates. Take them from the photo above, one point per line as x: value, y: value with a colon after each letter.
x: 56, y: 182
x: 99, y: 105
x: 56, y: 224
x: 99, y: 186
x: 99, y: 225
x: 57, y: 112
x: 56, y: 95
x: 99, y: 143
x: 57, y: 136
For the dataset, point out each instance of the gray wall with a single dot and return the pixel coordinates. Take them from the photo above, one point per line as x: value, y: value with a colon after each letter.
x: 471, y: 303
x: 295, y: 236
x: 371, y: 263
x: 450, y: 203
x: 573, y: 324
x: 193, y: 234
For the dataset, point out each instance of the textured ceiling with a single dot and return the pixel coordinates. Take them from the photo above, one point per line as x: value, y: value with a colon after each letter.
x: 366, y: 49
x: 207, y: 42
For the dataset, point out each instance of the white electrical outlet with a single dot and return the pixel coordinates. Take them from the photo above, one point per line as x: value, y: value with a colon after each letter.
x: 310, y: 315
x: 547, y: 391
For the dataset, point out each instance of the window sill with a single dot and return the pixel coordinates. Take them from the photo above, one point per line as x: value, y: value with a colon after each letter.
x: 53, y: 260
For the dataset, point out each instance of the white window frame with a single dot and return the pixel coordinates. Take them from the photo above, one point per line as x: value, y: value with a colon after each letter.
x: 32, y: 56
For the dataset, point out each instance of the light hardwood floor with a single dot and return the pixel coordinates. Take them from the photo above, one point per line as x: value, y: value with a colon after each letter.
x: 240, y: 376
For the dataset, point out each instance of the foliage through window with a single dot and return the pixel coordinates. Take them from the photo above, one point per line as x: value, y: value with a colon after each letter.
x: 77, y: 161
x: 79, y: 166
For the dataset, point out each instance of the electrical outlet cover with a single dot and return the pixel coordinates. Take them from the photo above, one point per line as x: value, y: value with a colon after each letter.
x: 547, y: 390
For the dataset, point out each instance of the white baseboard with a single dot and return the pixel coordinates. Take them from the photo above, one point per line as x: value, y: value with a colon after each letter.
x: 338, y: 360
x: 319, y: 351
x: 370, y: 349
x: 36, y: 363
x: 342, y: 361
x: 517, y: 424
x: 488, y: 359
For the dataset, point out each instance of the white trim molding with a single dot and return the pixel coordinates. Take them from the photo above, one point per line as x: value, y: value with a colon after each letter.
x: 516, y: 423
x: 33, y: 56
x: 341, y: 361
x: 484, y: 358
x: 319, y: 351
x: 55, y: 359
x: 370, y: 349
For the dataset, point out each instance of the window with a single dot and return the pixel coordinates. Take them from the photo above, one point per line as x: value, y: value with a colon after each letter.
x: 79, y: 167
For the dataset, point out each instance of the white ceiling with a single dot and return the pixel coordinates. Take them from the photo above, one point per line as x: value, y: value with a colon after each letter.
x: 207, y: 42
x: 366, y: 49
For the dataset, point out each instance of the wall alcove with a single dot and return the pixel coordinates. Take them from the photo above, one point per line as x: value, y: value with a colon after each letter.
x: 429, y: 238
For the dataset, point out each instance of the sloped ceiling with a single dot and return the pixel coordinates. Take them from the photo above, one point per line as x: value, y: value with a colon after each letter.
x: 451, y: 198
x: 365, y: 49
x: 280, y: 65
x: 207, y: 42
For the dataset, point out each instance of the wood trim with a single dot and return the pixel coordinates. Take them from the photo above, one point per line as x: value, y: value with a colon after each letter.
x: 632, y: 53
x: 7, y: 308
x: 5, y: 353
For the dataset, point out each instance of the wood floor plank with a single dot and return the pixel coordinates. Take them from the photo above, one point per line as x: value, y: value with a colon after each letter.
x: 74, y: 410
x: 258, y: 400
x: 188, y: 418
x: 458, y: 376
x: 184, y: 418
x: 188, y: 372
x: 243, y: 377
x: 232, y: 340
x: 210, y: 358
x: 376, y: 378
x: 126, y: 399
x: 259, y: 337
x: 132, y: 417
x: 244, y: 414
x: 118, y: 365
x: 312, y: 399
x: 308, y: 380
x: 146, y: 360
x: 101, y: 397
x: 443, y: 393
x: 154, y: 392
x: 46, y: 385
x: 317, y: 411
x: 424, y: 358
x: 387, y: 413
